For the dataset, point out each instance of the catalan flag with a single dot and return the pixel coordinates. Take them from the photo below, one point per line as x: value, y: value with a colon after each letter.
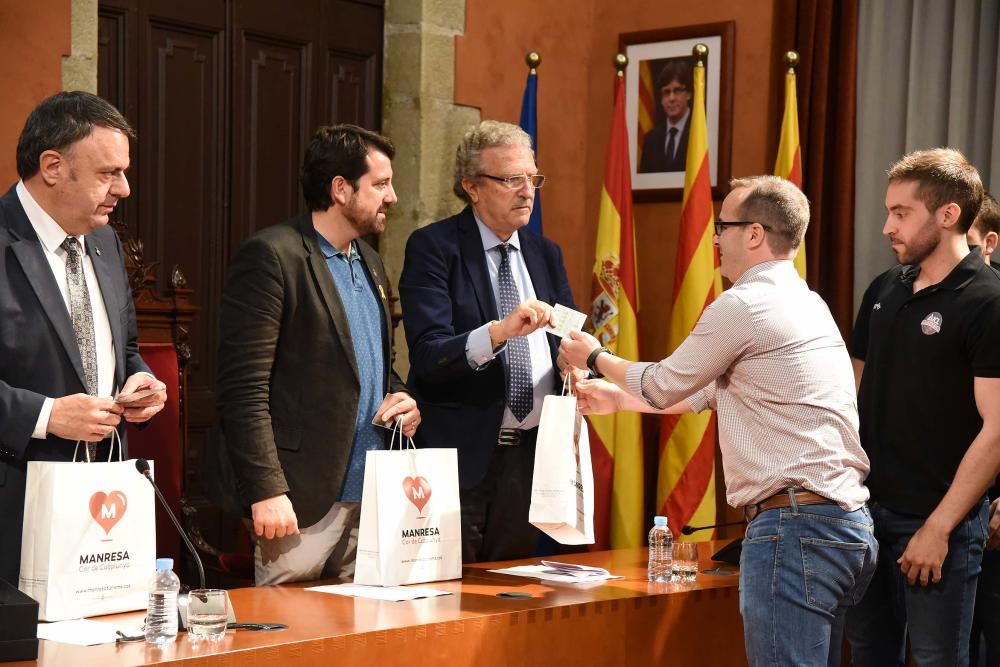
x: 648, y: 101
x: 616, y: 440
x: 788, y: 164
x: 529, y: 123
x: 686, y: 486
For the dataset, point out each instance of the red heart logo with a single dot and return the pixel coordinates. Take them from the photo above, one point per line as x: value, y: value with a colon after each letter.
x: 108, y: 508
x: 418, y: 491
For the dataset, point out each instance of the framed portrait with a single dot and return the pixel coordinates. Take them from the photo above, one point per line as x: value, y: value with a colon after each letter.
x: 658, y: 97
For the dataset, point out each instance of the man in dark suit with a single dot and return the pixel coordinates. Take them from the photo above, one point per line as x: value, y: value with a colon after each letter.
x: 67, y: 324
x: 306, y: 358
x: 665, y: 147
x: 475, y: 290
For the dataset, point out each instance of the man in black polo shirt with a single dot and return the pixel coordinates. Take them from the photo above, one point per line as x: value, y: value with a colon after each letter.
x: 926, y: 348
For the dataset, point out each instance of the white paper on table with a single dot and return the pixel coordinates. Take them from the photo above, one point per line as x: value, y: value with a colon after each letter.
x: 567, y: 320
x: 547, y: 573
x: 84, y: 632
x: 390, y: 593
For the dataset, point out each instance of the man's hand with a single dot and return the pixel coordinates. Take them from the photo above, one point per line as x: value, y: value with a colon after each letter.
x: 83, y: 417
x: 274, y: 517
x: 575, y: 349
x: 597, y: 397
x: 400, y: 406
x: 994, y: 540
x: 523, y: 320
x: 924, y: 555
x: 143, y: 409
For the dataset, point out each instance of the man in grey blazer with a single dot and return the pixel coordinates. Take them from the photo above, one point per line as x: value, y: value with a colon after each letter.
x: 67, y: 324
x: 305, y: 362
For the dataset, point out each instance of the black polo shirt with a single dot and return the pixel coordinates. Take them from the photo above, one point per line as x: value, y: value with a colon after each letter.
x: 921, y: 352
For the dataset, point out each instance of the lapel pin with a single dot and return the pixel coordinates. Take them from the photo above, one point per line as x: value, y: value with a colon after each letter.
x: 97, y: 250
x: 382, y: 292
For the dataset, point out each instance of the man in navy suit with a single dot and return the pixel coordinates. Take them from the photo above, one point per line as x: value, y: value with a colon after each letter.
x: 665, y: 147
x: 67, y: 324
x: 475, y: 290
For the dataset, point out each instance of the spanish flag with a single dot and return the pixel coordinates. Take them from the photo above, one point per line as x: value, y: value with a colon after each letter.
x: 686, y: 487
x: 788, y: 164
x: 616, y: 440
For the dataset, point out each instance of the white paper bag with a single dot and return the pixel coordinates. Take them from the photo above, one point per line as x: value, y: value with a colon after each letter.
x: 88, y: 545
x: 411, y: 529
x: 562, y: 485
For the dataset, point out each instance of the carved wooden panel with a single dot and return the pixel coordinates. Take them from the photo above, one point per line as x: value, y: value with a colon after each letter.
x: 272, y: 120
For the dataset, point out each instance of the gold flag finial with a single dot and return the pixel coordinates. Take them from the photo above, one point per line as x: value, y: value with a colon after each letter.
x: 700, y: 52
x: 621, y: 62
x: 533, y: 59
x: 792, y: 60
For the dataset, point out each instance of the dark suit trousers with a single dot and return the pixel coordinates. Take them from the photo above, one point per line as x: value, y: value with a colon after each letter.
x: 495, y: 511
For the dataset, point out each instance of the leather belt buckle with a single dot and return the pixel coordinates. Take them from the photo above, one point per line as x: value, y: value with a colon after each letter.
x: 509, y: 437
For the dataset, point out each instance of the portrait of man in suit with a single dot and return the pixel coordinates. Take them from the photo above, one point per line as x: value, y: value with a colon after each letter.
x: 306, y: 362
x: 476, y: 288
x: 67, y: 323
x: 665, y: 147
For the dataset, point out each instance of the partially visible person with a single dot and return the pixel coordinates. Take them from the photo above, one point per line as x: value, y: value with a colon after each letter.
x: 665, y: 147
x: 67, y: 330
x: 925, y: 348
x: 768, y: 357
x: 985, y: 230
x: 306, y: 362
x: 986, y: 619
x: 476, y: 290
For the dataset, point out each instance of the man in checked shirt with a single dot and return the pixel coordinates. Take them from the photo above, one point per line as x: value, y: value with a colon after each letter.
x: 768, y: 357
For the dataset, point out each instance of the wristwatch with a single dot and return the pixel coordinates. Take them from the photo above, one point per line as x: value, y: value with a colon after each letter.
x: 592, y: 361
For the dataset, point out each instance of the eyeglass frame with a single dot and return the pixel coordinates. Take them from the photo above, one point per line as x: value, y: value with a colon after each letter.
x: 720, y: 225
x: 508, y: 181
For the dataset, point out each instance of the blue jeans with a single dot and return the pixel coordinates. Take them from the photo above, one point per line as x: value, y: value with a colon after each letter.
x: 937, y: 617
x: 801, y: 568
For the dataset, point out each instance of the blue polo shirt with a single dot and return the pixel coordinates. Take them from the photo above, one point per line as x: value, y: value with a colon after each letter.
x: 364, y: 316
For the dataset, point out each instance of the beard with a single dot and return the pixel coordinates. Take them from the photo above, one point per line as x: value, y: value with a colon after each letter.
x: 921, y: 246
x: 365, y: 222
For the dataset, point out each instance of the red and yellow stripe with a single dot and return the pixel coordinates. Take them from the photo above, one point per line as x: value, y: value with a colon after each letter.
x: 686, y: 486
x: 616, y: 440
x: 788, y: 164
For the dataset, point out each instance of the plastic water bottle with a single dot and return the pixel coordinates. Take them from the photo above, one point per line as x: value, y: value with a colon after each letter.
x: 161, y: 613
x: 661, y: 551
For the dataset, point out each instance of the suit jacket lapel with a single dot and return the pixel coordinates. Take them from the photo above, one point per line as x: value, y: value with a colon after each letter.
x: 100, y: 256
x: 536, y: 266
x: 31, y: 256
x: 474, y: 259
x: 328, y: 291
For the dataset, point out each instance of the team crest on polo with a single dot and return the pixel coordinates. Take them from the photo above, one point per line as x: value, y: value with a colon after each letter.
x: 931, y: 324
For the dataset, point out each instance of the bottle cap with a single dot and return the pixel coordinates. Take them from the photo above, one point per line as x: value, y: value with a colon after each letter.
x: 164, y: 564
x: 659, y: 521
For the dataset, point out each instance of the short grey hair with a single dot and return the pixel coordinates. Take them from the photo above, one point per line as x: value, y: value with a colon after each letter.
x: 486, y: 134
x: 779, y: 204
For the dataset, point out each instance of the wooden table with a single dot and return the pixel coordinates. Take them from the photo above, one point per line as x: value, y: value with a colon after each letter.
x: 621, y: 622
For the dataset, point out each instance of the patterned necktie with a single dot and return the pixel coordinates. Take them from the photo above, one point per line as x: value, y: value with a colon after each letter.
x: 520, y: 393
x: 671, y: 143
x: 80, y: 311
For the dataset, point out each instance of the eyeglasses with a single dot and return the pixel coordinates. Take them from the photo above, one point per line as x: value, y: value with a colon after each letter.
x: 517, y: 182
x: 720, y: 225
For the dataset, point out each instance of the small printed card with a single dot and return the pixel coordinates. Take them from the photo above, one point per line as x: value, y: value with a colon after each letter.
x: 567, y: 320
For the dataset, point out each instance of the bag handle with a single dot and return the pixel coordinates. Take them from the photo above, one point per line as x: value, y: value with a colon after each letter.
x: 111, y: 450
x: 567, y: 388
x: 397, y: 428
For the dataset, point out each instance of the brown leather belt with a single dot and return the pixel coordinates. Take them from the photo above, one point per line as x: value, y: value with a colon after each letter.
x: 784, y: 499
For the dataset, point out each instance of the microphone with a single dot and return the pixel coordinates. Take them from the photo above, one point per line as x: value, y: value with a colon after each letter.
x: 687, y: 530
x: 142, y: 465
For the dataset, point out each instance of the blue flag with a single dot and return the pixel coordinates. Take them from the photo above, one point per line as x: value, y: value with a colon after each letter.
x: 529, y: 123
